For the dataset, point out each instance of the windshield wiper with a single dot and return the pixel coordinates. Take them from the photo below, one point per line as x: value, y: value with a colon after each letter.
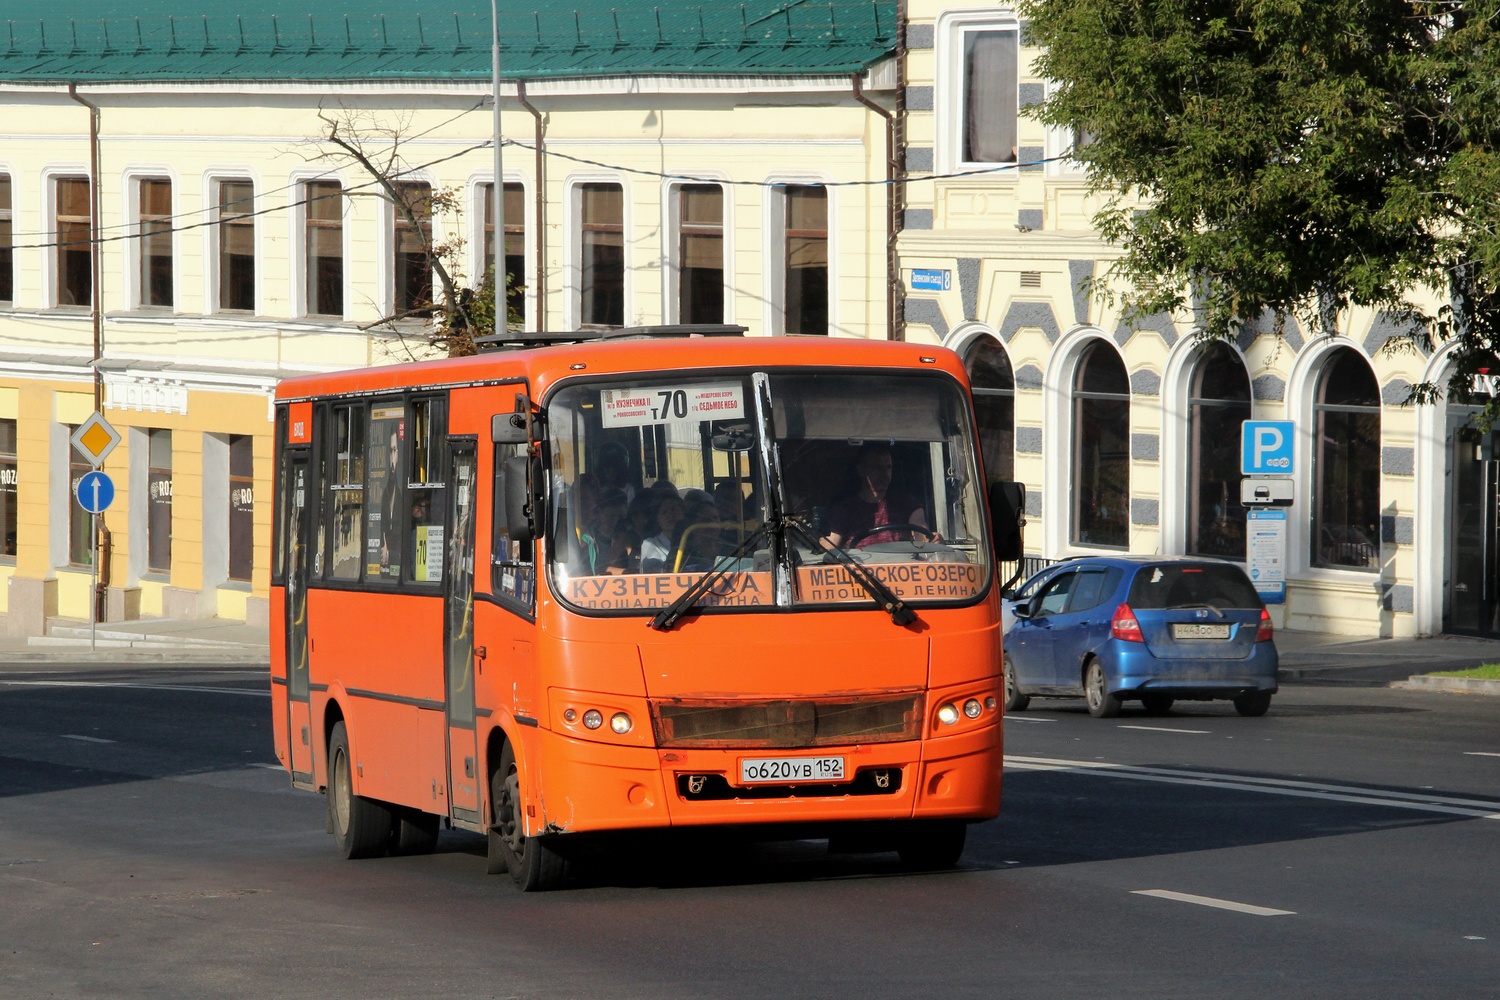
x: 892, y: 605
x: 664, y: 619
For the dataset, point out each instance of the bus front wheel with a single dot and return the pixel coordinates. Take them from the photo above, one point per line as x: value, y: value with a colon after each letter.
x: 361, y: 826
x: 533, y: 863
x: 930, y: 845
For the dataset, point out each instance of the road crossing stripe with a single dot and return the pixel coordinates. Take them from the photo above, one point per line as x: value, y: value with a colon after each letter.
x: 1447, y: 805
x: 1480, y: 753
x: 1165, y: 729
x: 1023, y: 718
x: 1221, y: 904
x: 86, y: 739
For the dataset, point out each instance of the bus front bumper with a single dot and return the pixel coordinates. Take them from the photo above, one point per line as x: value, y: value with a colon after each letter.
x: 596, y: 787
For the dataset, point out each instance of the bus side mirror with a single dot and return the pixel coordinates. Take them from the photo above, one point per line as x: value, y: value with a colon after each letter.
x: 516, y: 474
x: 1008, y: 515
x: 509, y: 428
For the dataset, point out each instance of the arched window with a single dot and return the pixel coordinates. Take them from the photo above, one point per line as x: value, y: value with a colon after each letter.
x: 1101, y: 449
x: 1218, y: 402
x: 994, y: 406
x: 1346, y: 502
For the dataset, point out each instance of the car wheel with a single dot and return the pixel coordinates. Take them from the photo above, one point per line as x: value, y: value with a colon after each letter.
x: 1254, y: 704
x: 1102, y: 704
x: 1156, y: 704
x: 1015, y: 701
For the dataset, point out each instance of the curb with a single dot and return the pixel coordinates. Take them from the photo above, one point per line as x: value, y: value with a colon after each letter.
x: 1455, y: 685
x: 132, y: 656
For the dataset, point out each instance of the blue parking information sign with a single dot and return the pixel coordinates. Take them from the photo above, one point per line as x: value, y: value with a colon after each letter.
x: 96, y: 492
x: 1266, y: 447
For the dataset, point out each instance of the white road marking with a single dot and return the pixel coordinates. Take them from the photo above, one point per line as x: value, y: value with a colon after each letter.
x: 86, y: 739
x: 1447, y: 805
x: 143, y: 687
x: 272, y: 767
x: 1025, y: 718
x: 1220, y: 904
x: 1165, y: 729
x: 1480, y: 753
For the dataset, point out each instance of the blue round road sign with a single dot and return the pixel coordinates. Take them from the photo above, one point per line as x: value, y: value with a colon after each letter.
x: 96, y: 492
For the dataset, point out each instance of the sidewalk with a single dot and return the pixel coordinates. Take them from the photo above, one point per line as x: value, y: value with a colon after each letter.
x: 1324, y: 658
x: 147, y: 640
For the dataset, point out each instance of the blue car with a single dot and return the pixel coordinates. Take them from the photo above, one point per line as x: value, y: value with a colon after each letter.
x: 1149, y: 628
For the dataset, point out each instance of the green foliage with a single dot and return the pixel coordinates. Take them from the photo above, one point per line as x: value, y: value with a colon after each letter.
x: 1291, y: 156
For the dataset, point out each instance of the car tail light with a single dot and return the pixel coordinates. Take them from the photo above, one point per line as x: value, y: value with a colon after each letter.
x: 1264, y: 633
x: 1125, y: 626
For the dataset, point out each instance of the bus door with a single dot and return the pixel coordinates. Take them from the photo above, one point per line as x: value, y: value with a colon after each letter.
x: 458, y: 631
x: 298, y: 530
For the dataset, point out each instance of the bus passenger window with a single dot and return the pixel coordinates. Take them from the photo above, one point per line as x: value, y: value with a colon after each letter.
x: 383, y: 513
x: 346, y: 483
x: 427, y: 495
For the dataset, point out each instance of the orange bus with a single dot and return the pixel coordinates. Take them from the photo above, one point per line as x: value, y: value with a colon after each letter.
x: 649, y: 578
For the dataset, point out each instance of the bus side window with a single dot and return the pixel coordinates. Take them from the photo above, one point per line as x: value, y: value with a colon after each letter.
x: 345, y: 483
x: 512, y: 565
x: 427, y: 493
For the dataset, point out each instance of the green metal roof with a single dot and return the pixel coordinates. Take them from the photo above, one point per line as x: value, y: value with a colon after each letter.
x: 214, y: 40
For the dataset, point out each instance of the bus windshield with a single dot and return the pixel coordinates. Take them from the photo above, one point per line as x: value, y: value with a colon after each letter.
x: 658, y: 480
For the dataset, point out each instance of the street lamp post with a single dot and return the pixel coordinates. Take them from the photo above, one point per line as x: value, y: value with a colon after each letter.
x: 502, y: 318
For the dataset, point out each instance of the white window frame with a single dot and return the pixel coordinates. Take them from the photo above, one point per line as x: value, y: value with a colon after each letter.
x: 212, y: 180
x: 773, y: 250
x: 297, y: 236
x: 573, y: 245
x: 385, y: 245
x: 132, y: 186
x: 948, y: 96
x: 51, y: 290
x: 671, y: 270
x: 477, y: 263
x: 7, y: 169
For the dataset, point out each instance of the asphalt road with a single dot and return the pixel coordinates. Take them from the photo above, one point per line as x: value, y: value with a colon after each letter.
x: 1346, y: 845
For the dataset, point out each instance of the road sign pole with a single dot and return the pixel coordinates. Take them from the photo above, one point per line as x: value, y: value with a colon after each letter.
x: 94, y: 576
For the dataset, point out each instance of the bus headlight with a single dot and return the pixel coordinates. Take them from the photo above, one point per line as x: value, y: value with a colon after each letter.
x: 948, y: 714
x: 972, y: 708
x: 620, y: 723
x: 592, y: 719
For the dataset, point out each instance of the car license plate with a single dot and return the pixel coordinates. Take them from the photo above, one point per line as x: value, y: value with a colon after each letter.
x: 790, y: 770
x: 1194, y: 631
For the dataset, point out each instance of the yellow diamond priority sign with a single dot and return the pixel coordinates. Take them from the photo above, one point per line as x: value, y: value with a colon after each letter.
x: 94, y: 439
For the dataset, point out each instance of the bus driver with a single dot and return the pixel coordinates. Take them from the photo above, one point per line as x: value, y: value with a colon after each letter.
x: 873, y: 503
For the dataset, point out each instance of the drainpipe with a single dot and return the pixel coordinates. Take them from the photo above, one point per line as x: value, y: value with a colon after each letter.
x: 102, y: 544
x: 892, y: 223
x: 541, y: 211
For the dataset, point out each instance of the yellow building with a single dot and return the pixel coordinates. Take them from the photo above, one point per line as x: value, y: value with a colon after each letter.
x: 1127, y: 434
x: 177, y: 233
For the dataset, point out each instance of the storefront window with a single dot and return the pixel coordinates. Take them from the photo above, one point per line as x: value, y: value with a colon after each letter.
x: 241, y: 507
x: 1346, y: 528
x: 80, y: 524
x: 994, y: 405
x: 1219, y: 402
x: 159, y: 511
x: 8, y: 489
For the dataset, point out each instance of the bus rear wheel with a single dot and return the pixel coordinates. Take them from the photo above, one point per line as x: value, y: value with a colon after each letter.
x: 361, y: 827
x: 533, y: 863
x: 931, y: 845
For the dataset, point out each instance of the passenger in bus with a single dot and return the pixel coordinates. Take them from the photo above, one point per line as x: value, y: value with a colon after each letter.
x: 612, y: 465
x: 606, y: 537
x: 873, y: 502
x: 656, y: 551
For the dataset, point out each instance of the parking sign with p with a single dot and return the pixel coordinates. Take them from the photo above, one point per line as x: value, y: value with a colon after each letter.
x: 1266, y: 447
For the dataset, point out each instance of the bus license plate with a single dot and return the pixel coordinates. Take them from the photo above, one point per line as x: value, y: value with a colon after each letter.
x: 1191, y: 631
x: 789, y: 770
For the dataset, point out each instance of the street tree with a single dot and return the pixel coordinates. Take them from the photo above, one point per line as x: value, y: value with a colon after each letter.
x: 461, y: 312
x: 1291, y: 157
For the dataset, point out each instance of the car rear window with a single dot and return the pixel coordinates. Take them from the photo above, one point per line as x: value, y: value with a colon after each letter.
x: 1174, y: 585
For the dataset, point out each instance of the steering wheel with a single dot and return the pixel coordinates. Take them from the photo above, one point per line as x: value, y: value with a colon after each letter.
x: 853, y: 543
